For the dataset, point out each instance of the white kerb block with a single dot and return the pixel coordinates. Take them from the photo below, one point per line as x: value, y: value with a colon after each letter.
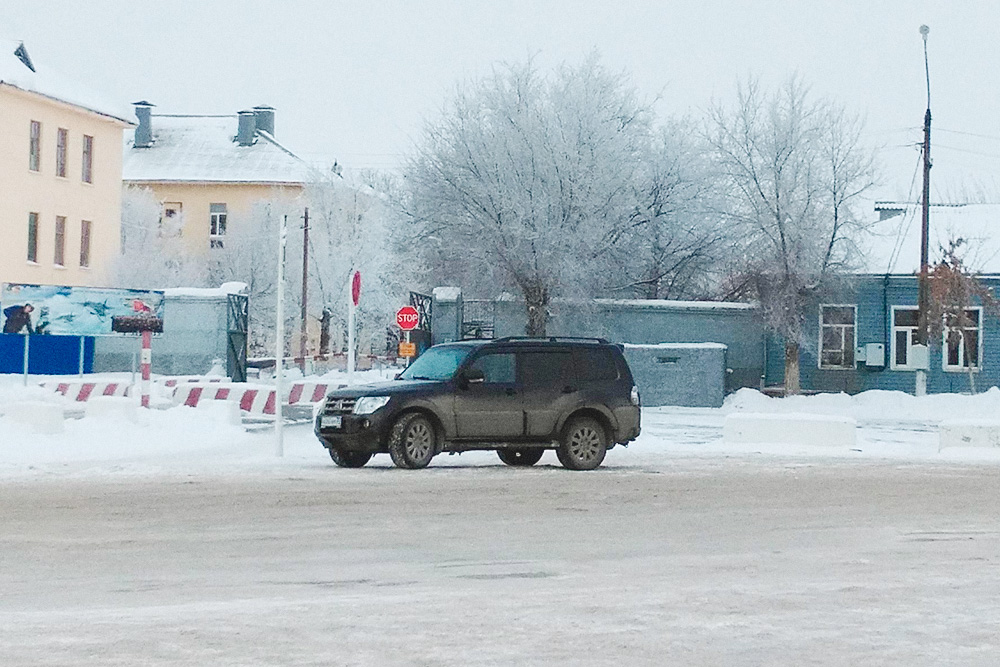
x: 41, y: 416
x: 969, y: 433
x: 791, y: 428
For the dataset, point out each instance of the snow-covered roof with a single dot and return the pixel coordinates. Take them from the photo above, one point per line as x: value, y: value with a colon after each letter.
x: 895, y: 247
x: 18, y: 70
x: 204, y: 149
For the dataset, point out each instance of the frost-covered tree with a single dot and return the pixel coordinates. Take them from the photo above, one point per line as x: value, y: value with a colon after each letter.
x: 357, y: 228
x: 670, y: 248
x: 794, y: 170
x: 528, y: 180
x: 153, y: 254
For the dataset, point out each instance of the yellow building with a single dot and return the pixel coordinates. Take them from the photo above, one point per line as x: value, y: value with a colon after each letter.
x: 208, y: 172
x: 60, y: 176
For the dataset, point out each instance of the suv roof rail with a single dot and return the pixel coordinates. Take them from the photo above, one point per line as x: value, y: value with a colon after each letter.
x: 553, y: 339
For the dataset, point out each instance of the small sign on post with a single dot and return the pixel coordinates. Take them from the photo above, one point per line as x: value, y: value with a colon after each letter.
x: 407, y: 349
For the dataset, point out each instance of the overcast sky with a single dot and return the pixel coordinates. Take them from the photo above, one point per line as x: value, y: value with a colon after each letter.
x: 353, y: 81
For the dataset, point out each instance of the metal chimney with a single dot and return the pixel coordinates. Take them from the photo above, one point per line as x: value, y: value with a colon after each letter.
x: 246, y: 130
x: 143, y: 131
x: 264, y: 117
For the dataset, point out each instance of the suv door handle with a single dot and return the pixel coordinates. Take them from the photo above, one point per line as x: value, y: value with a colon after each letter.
x: 568, y: 389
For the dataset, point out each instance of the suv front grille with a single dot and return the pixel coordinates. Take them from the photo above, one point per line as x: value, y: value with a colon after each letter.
x: 340, y: 406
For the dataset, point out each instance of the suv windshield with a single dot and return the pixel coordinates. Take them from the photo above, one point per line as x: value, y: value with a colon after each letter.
x: 437, y: 363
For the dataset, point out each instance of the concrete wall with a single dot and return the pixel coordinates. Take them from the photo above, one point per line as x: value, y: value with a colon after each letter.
x: 194, y: 334
x: 737, y: 326
x: 687, y: 374
x: 26, y: 191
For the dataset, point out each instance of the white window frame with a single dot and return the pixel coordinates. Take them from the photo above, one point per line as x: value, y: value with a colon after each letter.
x: 854, y: 326
x: 909, y: 340
x: 218, y: 220
x: 961, y: 347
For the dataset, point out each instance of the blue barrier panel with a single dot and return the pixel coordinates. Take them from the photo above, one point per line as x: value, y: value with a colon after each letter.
x: 48, y: 355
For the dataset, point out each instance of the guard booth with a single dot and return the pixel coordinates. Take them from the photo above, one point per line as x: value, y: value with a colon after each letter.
x: 421, y: 336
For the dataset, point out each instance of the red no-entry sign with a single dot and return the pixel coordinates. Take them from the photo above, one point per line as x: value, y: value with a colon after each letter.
x: 407, y: 318
x: 356, y: 287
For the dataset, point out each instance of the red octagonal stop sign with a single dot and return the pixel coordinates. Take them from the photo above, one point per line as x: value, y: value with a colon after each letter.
x: 407, y: 318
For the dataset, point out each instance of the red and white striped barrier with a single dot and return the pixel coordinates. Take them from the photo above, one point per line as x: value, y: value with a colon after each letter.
x: 252, y: 398
x: 81, y: 391
x: 184, y: 379
x: 307, y: 392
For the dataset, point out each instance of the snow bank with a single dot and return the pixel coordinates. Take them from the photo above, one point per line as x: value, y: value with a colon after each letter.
x: 794, y: 428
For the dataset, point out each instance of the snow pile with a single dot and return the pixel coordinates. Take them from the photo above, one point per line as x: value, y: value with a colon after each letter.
x: 873, y: 406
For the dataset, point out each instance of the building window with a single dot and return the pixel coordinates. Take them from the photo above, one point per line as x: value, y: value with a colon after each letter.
x: 217, y: 226
x: 962, y: 338
x: 84, y: 243
x: 35, y: 147
x: 88, y: 159
x: 836, y: 336
x: 32, y: 237
x: 62, y: 139
x: 60, y: 255
x: 905, y: 331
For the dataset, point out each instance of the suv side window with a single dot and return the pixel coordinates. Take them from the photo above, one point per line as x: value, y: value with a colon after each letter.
x: 596, y: 364
x: 497, y: 367
x: 546, y: 368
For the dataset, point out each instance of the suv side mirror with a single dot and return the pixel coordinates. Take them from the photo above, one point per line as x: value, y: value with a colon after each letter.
x: 472, y: 376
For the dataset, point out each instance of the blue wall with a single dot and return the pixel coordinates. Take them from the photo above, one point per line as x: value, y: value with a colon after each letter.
x: 874, y: 296
x: 47, y: 355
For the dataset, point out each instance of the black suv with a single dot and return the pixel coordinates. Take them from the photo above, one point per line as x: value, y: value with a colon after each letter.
x: 519, y: 396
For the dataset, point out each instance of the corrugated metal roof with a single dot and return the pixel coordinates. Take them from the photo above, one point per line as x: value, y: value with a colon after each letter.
x: 204, y: 149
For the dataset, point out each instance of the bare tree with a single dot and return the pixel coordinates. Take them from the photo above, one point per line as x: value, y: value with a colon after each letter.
x: 670, y: 248
x: 529, y: 179
x: 794, y: 169
x: 953, y: 318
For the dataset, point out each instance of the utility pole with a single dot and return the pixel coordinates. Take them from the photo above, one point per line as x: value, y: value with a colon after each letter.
x: 304, y: 334
x: 924, y: 288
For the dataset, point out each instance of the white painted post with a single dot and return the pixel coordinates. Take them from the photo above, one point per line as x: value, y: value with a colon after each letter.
x: 279, y: 345
x: 82, y: 351
x: 27, y: 338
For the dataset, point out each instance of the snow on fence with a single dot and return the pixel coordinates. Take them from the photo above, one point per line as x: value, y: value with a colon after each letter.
x: 790, y: 428
x: 255, y: 399
x: 82, y: 391
x: 182, y: 379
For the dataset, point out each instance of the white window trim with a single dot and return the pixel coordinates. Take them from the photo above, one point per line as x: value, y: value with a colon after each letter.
x: 892, y: 341
x: 819, y: 315
x: 945, y: 366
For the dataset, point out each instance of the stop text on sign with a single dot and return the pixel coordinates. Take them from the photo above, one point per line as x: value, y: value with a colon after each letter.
x: 407, y: 318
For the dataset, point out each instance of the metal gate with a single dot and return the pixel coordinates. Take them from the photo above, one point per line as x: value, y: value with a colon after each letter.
x: 478, y: 319
x: 421, y: 336
x: 236, y: 338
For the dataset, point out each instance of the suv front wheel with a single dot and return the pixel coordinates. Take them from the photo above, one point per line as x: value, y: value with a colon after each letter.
x: 348, y: 459
x: 412, y: 441
x: 583, y: 445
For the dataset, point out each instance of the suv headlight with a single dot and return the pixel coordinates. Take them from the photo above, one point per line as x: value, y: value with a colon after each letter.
x: 635, y: 396
x: 318, y: 408
x: 369, y: 404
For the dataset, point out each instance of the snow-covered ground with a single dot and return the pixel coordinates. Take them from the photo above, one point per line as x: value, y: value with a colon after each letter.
x: 891, y: 425
x: 178, y: 538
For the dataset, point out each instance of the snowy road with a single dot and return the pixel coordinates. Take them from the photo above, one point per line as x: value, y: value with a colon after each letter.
x: 718, y: 560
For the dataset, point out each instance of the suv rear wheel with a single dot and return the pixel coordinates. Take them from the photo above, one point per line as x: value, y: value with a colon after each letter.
x: 583, y: 445
x: 412, y: 441
x: 349, y: 459
x: 520, y: 456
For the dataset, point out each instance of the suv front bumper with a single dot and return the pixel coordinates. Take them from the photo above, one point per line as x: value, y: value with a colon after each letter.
x: 357, y: 433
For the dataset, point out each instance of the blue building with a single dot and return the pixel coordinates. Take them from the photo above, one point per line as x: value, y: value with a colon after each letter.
x: 859, y: 334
